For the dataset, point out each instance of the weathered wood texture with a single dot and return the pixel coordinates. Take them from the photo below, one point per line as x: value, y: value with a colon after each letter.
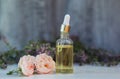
x: 96, y: 22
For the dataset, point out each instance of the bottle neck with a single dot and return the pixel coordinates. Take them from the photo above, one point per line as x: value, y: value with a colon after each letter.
x: 64, y: 35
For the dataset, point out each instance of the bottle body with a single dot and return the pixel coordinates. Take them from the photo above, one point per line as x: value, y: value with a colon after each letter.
x: 64, y: 54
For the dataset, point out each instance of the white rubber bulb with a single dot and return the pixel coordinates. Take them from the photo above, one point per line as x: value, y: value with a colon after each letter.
x: 66, y: 19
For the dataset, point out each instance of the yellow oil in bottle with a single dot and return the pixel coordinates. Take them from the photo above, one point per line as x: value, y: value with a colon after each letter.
x: 64, y: 49
x: 64, y: 59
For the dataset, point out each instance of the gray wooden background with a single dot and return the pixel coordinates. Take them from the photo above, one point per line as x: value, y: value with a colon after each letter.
x: 95, y: 22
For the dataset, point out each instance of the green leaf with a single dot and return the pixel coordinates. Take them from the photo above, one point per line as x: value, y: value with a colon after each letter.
x: 10, y: 72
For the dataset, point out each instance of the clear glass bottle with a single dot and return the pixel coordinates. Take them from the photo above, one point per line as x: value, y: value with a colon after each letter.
x: 64, y: 54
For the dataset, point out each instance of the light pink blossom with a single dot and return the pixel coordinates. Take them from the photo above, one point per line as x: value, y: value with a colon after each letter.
x: 26, y: 63
x: 44, y: 64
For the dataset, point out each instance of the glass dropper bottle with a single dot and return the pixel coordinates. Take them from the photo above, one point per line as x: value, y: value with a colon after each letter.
x: 64, y: 49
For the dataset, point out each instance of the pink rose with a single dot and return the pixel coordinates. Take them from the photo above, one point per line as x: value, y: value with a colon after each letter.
x: 26, y: 63
x: 44, y: 64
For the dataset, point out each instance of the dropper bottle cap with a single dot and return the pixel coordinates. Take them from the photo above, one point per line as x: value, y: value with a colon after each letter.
x: 65, y: 27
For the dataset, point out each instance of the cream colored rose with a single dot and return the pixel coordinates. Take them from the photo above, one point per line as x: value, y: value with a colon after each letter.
x: 44, y: 64
x: 26, y: 63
